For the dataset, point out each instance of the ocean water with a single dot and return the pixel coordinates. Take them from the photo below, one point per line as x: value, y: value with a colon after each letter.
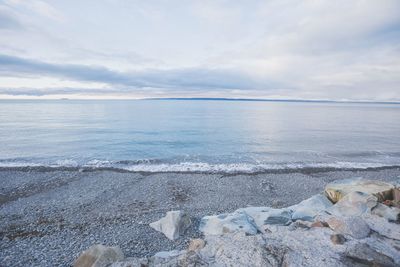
x: 193, y: 135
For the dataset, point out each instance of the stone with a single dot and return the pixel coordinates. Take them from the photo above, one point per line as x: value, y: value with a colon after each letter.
x: 196, y: 244
x: 353, y: 226
x: 99, y: 256
x: 174, y: 224
x: 338, y: 239
x: 319, y: 224
x: 308, y: 209
x: 339, y: 188
x: 237, y: 249
x: 366, y: 254
x: 354, y: 204
x: 228, y: 223
x: 265, y: 215
x: 383, y: 227
x: 389, y: 213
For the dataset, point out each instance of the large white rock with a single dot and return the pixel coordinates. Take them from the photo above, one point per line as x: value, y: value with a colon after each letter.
x: 309, y: 208
x: 99, y: 256
x: 339, y: 188
x: 236, y: 249
x: 354, y: 204
x: 353, y: 226
x: 173, y: 224
x: 383, y: 227
x: 228, y: 223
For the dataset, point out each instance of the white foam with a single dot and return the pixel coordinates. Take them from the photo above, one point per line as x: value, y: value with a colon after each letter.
x: 198, y: 166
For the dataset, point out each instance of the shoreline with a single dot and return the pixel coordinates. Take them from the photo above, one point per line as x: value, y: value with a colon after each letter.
x: 283, y: 170
x: 48, y: 217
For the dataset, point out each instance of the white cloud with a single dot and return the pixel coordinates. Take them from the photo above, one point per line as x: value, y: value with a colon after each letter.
x: 297, y: 49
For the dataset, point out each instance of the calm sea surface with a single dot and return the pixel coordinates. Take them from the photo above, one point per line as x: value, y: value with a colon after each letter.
x: 176, y: 135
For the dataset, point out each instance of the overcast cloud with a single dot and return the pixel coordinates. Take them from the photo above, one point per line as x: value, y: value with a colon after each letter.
x: 338, y: 50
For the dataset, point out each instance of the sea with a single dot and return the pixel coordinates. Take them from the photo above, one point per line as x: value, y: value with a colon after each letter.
x: 198, y: 135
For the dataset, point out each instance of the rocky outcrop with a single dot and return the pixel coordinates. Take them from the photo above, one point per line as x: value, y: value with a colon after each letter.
x: 356, y: 230
x: 99, y: 256
x: 173, y: 224
x: 340, y: 188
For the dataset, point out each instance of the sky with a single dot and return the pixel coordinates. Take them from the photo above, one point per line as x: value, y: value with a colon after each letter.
x: 279, y: 49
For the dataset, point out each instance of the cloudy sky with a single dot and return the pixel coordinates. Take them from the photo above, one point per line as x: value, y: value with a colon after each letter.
x: 339, y: 50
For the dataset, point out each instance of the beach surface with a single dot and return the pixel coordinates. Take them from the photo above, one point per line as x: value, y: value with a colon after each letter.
x: 50, y: 215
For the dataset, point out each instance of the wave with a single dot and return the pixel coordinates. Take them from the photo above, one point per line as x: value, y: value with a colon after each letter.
x: 157, y: 166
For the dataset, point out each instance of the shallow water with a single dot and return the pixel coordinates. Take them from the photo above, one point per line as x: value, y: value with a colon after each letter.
x: 176, y: 135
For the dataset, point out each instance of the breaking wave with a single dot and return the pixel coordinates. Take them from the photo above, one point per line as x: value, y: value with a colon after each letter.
x: 158, y: 166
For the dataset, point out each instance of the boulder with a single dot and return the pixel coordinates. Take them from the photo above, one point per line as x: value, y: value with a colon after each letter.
x: 265, y: 215
x: 389, y: 213
x: 99, y: 256
x: 374, y: 253
x: 354, y: 204
x: 173, y: 224
x: 383, y: 227
x: 228, y: 223
x: 353, y: 226
x: 309, y: 208
x: 339, y: 188
x: 237, y: 249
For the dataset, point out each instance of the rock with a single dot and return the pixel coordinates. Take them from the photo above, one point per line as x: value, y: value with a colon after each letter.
x: 353, y: 226
x: 99, y: 256
x: 319, y: 224
x: 173, y: 224
x: 366, y: 254
x: 309, y: 208
x: 389, y: 213
x: 383, y: 227
x: 339, y: 188
x: 237, y: 249
x: 338, y: 239
x: 228, y: 223
x: 266, y: 215
x: 354, y: 204
x: 303, y: 247
x: 196, y: 244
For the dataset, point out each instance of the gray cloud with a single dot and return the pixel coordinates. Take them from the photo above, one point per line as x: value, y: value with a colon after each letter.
x: 8, y: 22
x: 190, y: 78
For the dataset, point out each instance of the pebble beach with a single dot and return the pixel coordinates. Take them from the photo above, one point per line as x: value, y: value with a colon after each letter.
x: 49, y: 216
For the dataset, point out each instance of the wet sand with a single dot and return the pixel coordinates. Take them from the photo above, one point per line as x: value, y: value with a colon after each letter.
x: 48, y: 216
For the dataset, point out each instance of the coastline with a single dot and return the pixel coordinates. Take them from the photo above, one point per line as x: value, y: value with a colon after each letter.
x: 48, y: 216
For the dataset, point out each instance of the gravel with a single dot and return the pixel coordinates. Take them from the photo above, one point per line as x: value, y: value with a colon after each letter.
x: 48, y: 217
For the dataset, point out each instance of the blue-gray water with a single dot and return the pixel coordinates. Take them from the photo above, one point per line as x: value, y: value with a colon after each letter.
x: 174, y: 135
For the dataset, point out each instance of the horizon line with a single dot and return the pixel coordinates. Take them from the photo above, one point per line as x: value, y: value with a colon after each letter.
x: 220, y: 99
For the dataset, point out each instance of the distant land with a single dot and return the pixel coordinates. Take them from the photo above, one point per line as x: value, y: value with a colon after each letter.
x: 271, y: 100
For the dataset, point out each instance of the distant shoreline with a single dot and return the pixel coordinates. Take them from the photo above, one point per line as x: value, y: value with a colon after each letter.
x: 271, y: 100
